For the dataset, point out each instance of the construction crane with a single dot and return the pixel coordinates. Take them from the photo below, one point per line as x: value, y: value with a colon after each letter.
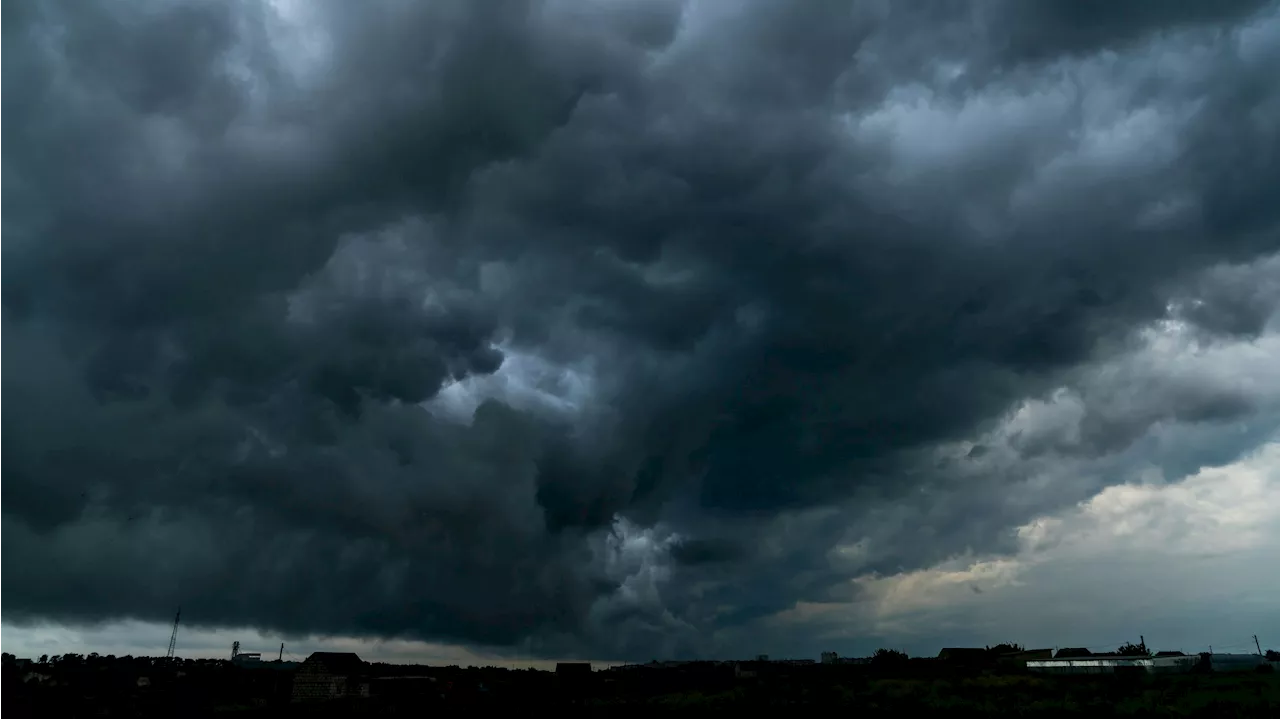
x: 173, y: 638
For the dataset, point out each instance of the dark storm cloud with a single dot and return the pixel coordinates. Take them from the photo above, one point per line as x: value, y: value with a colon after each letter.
x: 235, y: 264
x: 1043, y: 30
x: 1233, y: 300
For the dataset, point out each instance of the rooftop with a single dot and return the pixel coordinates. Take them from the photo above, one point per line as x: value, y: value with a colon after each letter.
x: 338, y: 662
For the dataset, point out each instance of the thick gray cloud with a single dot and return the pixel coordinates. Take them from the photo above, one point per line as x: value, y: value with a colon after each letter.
x: 277, y: 276
x: 1043, y: 30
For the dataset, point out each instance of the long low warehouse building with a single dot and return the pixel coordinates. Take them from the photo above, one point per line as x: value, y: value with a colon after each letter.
x: 1150, y: 665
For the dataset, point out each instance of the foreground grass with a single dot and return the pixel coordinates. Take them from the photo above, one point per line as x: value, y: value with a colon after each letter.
x: 1009, y: 695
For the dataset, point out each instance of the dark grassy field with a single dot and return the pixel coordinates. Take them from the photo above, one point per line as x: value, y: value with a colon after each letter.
x: 102, y: 687
x: 1247, y: 694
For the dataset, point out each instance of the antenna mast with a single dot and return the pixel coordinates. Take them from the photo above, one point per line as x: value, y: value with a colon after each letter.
x: 173, y: 638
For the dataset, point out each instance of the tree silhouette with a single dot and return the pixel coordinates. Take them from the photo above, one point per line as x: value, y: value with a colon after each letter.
x: 1129, y: 649
x: 888, y: 657
x: 1006, y: 648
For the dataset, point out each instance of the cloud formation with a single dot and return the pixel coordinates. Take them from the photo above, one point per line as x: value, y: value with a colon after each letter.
x: 1161, y: 556
x: 607, y: 326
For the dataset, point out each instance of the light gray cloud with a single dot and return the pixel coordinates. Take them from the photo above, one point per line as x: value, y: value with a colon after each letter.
x: 1177, y: 561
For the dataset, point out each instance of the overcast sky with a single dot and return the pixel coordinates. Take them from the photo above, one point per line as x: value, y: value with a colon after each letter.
x: 626, y: 329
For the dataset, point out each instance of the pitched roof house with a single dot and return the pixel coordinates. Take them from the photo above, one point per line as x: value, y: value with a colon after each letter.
x: 330, y: 675
x: 963, y: 655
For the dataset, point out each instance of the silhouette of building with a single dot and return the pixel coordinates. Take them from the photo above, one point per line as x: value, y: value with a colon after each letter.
x: 1098, y: 664
x: 1235, y: 662
x: 573, y: 674
x: 407, y: 687
x: 330, y: 675
x: 1020, y: 659
x: 964, y: 655
x: 1072, y: 653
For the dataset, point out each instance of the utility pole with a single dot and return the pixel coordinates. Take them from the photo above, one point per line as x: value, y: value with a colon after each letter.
x: 1257, y: 645
x: 281, y: 657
